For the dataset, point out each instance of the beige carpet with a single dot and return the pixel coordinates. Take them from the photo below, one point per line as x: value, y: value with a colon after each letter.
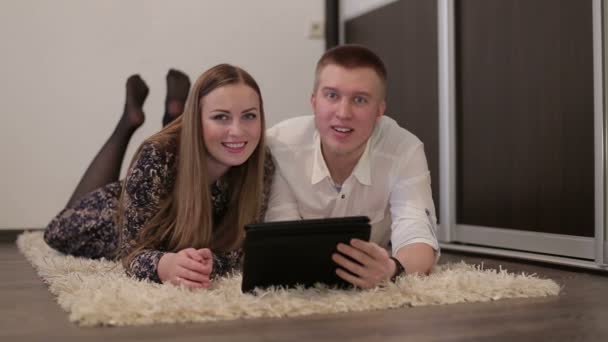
x: 99, y: 293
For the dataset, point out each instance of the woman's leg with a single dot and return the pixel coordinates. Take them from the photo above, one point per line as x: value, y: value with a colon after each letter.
x: 88, y: 228
x: 105, y: 167
x: 178, y: 86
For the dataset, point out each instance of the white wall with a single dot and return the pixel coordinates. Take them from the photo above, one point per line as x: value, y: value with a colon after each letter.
x: 354, y: 8
x: 64, y: 63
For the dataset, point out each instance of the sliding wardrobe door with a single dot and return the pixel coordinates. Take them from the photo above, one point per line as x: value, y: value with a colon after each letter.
x: 525, y: 125
x: 404, y: 35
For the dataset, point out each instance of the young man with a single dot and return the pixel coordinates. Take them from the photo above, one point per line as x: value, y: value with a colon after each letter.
x: 348, y: 159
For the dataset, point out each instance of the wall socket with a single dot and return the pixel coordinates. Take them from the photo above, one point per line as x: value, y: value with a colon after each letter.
x: 316, y: 30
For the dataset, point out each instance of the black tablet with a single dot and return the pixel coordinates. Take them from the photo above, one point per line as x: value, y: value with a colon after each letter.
x: 290, y: 253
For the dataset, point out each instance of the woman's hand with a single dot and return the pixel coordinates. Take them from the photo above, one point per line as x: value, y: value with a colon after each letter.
x: 189, y: 267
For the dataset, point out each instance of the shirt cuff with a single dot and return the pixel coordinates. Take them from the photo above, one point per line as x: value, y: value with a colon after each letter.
x: 433, y: 243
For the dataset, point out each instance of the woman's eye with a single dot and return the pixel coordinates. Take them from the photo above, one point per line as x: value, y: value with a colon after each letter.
x: 250, y: 116
x: 221, y: 117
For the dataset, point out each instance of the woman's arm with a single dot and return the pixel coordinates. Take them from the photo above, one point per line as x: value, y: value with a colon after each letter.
x: 150, y: 180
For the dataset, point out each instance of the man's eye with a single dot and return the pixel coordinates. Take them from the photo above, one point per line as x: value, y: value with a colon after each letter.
x: 360, y: 99
x: 331, y: 95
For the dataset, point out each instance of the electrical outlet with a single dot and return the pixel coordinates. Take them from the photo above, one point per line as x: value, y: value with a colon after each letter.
x: 316, y: 30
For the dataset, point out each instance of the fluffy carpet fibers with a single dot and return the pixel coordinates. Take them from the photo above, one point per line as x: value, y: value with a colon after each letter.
x: 97, y: 292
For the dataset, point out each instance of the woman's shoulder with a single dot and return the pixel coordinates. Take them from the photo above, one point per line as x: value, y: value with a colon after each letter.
x: 269, y: 167
x: 153, y: 171
x: 163, y: 151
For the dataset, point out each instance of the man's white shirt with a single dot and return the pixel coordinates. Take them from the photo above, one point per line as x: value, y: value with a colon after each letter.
x: 390, y: 184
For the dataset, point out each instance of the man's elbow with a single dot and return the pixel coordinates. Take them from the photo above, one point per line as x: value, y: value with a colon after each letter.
x: 417, y: 258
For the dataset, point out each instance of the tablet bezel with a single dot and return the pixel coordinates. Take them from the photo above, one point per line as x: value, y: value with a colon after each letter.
x: 297, y: 250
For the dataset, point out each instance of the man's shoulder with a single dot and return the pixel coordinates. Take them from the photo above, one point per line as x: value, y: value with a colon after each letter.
x: 389, y: 136
x: 295, y: 131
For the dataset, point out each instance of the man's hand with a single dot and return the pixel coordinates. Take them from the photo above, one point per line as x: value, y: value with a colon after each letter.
x: 374, y: 264
x: 188, y: 267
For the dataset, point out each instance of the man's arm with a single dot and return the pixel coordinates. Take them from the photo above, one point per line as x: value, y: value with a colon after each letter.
x: 413, y: 236
x: 413, y: 231
x: 282, y: 204
x: 416, y: 258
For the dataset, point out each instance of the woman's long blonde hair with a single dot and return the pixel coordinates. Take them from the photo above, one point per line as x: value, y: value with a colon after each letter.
x: 185, y: 218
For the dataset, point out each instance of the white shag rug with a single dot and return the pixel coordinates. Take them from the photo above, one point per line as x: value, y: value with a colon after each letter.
x: 97, y: 292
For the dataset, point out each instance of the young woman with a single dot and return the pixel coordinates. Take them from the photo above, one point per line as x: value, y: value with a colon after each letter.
x: 179, y: 215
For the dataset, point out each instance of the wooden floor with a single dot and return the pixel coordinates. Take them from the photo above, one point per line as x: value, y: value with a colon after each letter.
x: 28, y: 312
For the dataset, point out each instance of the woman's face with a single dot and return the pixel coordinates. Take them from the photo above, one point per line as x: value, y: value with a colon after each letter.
x: 232, y: 125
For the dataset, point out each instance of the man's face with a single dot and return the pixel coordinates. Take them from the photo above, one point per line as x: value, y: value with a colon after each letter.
x: 346, y: 103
